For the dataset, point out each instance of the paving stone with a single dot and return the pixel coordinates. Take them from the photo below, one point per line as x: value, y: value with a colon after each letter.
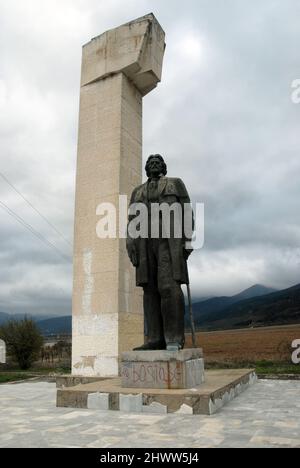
x: 267, y: 415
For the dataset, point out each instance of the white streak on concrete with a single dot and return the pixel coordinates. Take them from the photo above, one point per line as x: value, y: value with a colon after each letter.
x: 185, y: 409
x: 88, y: 282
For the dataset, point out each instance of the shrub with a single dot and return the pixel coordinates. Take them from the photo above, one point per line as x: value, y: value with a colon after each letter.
x: 23, y: 340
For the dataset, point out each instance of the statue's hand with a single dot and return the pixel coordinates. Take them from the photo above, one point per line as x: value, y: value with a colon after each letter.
x: 132, y: 252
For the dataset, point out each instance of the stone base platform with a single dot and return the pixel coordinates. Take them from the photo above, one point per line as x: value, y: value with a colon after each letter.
x: 220, y: 387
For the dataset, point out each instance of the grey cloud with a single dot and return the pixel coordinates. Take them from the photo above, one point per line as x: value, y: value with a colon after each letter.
x: 222, y: 117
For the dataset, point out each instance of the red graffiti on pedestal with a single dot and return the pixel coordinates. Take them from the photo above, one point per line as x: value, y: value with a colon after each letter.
x: 152, y: 373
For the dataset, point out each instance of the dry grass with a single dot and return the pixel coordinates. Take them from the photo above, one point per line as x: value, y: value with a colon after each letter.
x: 249, y: 345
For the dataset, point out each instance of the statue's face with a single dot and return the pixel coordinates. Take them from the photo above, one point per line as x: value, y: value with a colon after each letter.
x: 155, y: 167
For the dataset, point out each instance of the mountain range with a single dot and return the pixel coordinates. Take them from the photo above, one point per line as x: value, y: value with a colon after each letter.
x: 253, y: 307
x: 4, y: 317
x: 209, y: 309
x: 48, y: 325
x: 56, y: 326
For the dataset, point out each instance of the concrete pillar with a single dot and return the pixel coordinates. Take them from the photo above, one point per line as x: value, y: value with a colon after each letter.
x: 118, y: 69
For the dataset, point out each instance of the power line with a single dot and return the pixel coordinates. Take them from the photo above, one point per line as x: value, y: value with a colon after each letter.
x: 34, y: 208
x: 33, y: 231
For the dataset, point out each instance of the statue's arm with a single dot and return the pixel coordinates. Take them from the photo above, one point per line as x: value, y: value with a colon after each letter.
x: 188, y: 217
x: 131, y: 244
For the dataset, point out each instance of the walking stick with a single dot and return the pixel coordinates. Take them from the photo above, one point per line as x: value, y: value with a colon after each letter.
x: 191, y: 315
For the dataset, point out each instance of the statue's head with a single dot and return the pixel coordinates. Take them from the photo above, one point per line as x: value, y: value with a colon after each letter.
x: 156, y: 166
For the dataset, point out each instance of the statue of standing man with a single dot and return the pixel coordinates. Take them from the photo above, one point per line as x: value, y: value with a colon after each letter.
x: 160, y: 259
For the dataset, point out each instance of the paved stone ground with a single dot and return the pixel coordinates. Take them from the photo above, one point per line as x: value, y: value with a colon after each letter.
x: 266, y: 415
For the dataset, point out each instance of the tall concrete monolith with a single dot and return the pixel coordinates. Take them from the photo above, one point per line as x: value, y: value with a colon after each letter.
x: 119, y: 68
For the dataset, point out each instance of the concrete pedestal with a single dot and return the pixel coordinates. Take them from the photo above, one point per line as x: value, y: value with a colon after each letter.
x: 163, y: 369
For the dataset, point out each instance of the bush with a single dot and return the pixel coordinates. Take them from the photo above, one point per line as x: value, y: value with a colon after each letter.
x: 23, y: 340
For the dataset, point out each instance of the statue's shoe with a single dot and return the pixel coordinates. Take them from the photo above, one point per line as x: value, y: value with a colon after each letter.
x: 175, y: 346
x: 151, y: 346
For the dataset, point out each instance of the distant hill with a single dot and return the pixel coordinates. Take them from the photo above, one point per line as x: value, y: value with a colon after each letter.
x: 48, y: 326
x: 56, y: 326
x: 3, y: 317
x: 276, y: 308
x: 256, y: 306
x: 254, y: 291
x: 210, y: 309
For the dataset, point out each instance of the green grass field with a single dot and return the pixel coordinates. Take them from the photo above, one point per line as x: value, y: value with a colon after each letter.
x: 6, y: 377
x: 13, y: 374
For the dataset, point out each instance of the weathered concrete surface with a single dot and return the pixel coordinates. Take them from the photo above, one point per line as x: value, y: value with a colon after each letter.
x: 163, y: 369
x: 118, y: 69
x: 220, y: 388
x: 163, y: 355
x: 98, y: 401
x: 266, y: 416
x: 135, y: 49
x: 65, y: 381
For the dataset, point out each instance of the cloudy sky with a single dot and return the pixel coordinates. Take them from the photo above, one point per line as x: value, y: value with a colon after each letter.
x: 223, y: 118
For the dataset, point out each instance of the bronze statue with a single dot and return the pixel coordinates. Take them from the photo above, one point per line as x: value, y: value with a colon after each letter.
x: 161, y: 262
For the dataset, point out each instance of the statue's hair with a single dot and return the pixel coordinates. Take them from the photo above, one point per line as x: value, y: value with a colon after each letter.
x: 158, y: 156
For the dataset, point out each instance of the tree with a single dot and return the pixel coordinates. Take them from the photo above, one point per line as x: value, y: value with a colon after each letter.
x: 23, y: 340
